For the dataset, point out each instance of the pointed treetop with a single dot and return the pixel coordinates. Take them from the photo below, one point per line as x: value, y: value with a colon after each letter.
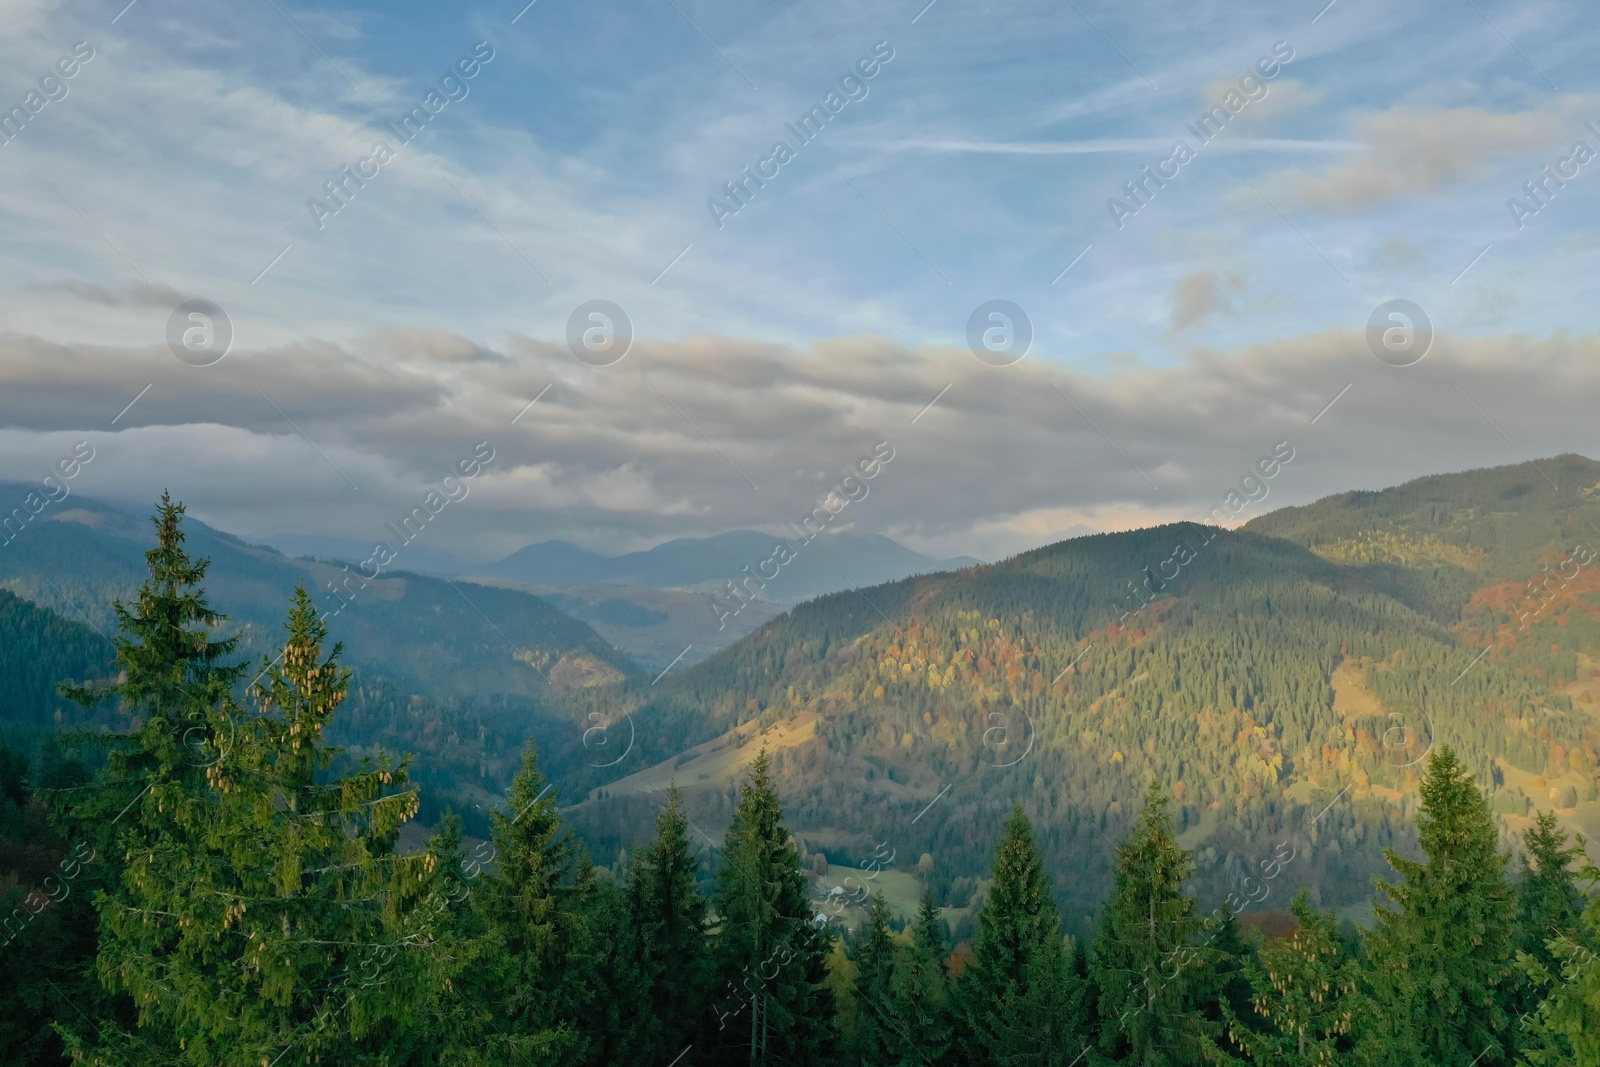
x: 1455, y: 818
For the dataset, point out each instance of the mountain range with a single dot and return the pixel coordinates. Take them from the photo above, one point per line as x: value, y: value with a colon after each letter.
x: 826, y: 564
x: 1286, y: 679
x: 669, y: 604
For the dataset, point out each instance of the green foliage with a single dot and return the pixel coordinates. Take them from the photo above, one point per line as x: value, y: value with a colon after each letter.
x: 875, y: 968
x: 229, y: 888
x: 1303, y: 996
x: 920, y: 1005
x: 435, y: 673
x: 37, y: 650
x: 48, y: 936
x: 253, y: 896
x: 1441, y: 959
x: 1223, y: 682
x: 768, y: 949
x: 1227, y: 987
x: 531, y: 906
x: 1565, y: 1029
x: 1549, y: 903
x: 671, y: 951
x: 1018, y: 998
x: 1146, y: 962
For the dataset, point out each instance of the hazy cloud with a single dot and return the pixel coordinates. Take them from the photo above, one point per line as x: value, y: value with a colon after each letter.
x: 133, y: 295
x: 1408, y: 151
x: 1198, y: 295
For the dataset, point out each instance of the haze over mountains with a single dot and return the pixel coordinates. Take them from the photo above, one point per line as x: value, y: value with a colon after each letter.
x: 824, y: 565
x: 458, y: 671
x: 1289, y: 678
x: 577, y: 435
x: 674, y: 602
x: 660, y: 605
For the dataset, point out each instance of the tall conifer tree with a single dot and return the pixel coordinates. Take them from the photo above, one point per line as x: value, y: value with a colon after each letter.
x: 1549, y: 903
x: 152, y: 807
x: 874, y: 960
x: 1441, y: 959
x: 263, y: 913
x: 1145, y: 965
x: 1564, y: 1031
x: 339, y: 949
x: 1018, y: 997
x: 1549, y: 906
x: 923, y: 1033
x: 602, y: 971
x: 529, y: 901
x: 769, y: 951
x: 671, y: 950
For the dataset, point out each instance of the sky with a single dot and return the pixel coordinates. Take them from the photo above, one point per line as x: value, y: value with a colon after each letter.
x: 359, y: 341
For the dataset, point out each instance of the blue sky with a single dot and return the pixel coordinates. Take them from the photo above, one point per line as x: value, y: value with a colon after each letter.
x: 834, y: 306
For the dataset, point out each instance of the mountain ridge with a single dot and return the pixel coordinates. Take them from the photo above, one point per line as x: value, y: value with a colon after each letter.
x: 824, y: 564
x: 1067, y: 675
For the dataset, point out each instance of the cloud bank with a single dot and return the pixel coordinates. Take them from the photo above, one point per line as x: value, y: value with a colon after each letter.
x: 714, y: 433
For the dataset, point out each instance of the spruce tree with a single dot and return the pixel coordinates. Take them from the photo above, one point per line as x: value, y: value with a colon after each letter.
x: 174, y: 678
x: 1549, y: 903
x: 340, y: 950
x: 152, y: 807
x: 1227, y: 980
x: 1017, y: 997
x: 528, y: 902
x: 449, y: 1029
x: 670, y: 947
x: 602, y: 970
x: 770, y: 953
x: 922, y: 1034
x: 1564, y: 1031
x: 1145, y: 964
x: 1304, y: 998
x: 1441, y: 959
x: 1549, y: 906
x: 874, y: 960
x: 267, y: 916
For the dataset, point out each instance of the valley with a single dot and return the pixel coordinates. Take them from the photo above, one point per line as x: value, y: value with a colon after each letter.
x: 1292, y: 681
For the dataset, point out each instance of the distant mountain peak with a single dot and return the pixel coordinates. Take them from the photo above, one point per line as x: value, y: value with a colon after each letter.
x: 840, y: 560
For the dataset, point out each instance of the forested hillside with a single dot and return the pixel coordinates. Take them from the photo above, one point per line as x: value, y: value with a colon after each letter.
x: 1310, y: 659
x: 459, y: 673
x: 1265, y: 677
x: 39, y: 649
x: 220, y: 886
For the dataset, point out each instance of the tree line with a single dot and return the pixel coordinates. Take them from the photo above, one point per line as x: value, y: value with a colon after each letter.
x: 213, y: 888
